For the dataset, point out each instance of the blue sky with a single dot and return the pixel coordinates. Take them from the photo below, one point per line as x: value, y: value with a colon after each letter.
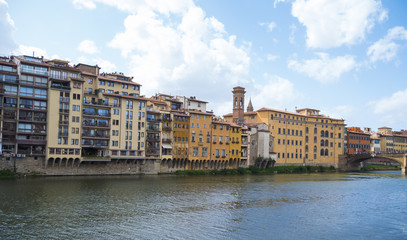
x: 347, y: 58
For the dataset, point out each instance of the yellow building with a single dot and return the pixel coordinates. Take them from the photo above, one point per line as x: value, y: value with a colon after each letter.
x: 235, y: 141
x: 199, y: 140
x: 392, y: 141
x: 301, y: 137
x: 220, y: 144
x: 181, y: 136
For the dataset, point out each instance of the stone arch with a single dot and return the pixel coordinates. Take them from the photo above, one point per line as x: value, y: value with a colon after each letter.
x: 50, y: 162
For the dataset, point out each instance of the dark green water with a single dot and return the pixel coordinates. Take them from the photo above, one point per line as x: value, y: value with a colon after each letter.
x: 304, y: 206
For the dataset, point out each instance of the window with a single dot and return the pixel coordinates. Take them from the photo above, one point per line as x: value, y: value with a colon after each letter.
x: 26, y: 91
x: 90, y: 80
x: 40, y: 93
x: 195, y: 152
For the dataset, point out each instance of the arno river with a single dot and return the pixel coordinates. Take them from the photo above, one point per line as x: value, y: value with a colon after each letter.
x: 303, y: 206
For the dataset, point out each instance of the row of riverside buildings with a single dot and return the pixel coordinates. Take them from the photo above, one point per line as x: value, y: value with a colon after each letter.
x: 56, y: 114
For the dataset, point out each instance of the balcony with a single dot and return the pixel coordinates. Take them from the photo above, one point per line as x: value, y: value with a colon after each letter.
x: 165, y: 128
x: 95, y: 124
x: 32, y: 141
x: 104, y: 115
x: 220, y: 142
x: 64, y: 111
x: 155, y: 129
x: 64, y: 99
x: 62, y: 134
x: 200, y: 143
x: 34, y: 71
x: 100, y: 104
x: 58, y: 77
x: 167, y: 119
x: 153, y: 139
x: 95, y: 135
x: 58, y: 86
x: 30, y: 131
x: 96, y: 159
x: 13, y: 105
x: 166, y: 140
x: 63, y: 122
x: 95, y: 143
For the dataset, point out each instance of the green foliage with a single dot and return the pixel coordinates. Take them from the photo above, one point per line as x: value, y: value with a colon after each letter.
x: 255, y: 170
x: 7, y: 173
x: 380, y: 167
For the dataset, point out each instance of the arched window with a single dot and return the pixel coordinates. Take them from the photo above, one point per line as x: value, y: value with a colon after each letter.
x: 322, y: 152
x: 322, y: 143
x: 306, y: 148
x: 326, y: 134
x: 241, y: 102
x: 306, y: 129
x: 315, y: 149
x: 322, y: 133
x: 326, y: 152
x: 315, y: 139
x: 326, y: 143
x: 235, y: 102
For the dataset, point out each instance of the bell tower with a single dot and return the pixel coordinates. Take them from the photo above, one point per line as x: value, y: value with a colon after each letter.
x: 238, y: 105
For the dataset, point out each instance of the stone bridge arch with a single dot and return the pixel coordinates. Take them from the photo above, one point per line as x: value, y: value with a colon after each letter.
x: 352, y: 162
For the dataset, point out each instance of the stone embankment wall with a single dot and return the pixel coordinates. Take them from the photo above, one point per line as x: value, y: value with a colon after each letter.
x: 31, y: 165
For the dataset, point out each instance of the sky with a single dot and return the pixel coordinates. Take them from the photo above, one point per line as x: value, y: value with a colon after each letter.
x: 347, y: 58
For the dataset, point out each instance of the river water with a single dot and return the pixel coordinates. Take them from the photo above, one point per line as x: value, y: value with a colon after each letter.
x: 303, y: 206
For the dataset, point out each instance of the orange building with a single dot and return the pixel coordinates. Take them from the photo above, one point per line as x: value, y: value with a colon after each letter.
x: 358, y: 142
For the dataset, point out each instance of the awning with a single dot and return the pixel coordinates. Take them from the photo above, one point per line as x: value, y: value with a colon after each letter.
x: 167, y: 146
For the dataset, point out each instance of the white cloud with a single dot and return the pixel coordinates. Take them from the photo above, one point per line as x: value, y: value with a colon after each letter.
x: 324, y: 68
x: 188, y: 51
x: 277, y: 1
x: 340, y: 112
x: 88, y: 46
x: 293, y: 29
x: 6, y: 29
x: 277, y: 92
x: 105, y: 65
x: 392, y: 109
x: 272, y: 57
x: 386, y: 48
x: 89, y: 4
x: 336, y: 23
x: 36, y: 51
x: 161, y: 6
x: 270, y: 26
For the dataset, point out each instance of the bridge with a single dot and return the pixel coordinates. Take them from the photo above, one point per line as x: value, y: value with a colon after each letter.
x: 352, y: 162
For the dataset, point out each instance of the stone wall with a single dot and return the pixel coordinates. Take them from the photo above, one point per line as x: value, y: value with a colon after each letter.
x: 31, y: 165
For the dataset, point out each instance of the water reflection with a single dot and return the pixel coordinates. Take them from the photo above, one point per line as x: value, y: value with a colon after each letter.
x: 317, y: 206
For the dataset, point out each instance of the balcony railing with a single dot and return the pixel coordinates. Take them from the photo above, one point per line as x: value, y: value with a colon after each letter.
x: 95, y: 135
x: 62, y: 134
x: 96, y: 114
x: 59, y: 77
x: 64, y: 111
x: 64, y: 99
x: 57, y: 86
x: 167, y: 140
x: 63, y: 122
x: 153, y: 129
x: 102, y: 103
x: 94, y: 124
x: 44, y: 73
x: 165, y: 128
x: 153, y: 138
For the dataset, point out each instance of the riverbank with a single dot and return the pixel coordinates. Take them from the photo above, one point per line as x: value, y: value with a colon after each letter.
x: 254, y: 170
x: 7, y: 173
x: 380, y: 168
